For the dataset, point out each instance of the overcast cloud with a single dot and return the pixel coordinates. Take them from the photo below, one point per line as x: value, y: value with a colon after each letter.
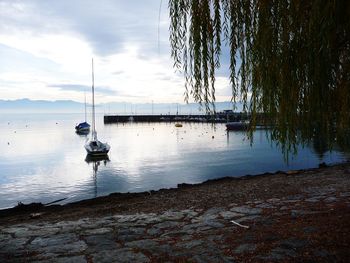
x: 46, y: 49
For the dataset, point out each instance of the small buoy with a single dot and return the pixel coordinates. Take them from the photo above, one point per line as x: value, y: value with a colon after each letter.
x: 212, y: 137
x: 56, y: 122
x: 15, y: 131
x: 8, y: 143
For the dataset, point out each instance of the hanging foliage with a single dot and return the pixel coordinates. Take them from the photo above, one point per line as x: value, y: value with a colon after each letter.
x: 289, y: 61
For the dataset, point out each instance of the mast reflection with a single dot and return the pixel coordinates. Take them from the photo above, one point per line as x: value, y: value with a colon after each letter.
x: 96, y: 162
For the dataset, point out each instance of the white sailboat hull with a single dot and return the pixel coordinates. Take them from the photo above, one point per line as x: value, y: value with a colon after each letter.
x: 96, y: 148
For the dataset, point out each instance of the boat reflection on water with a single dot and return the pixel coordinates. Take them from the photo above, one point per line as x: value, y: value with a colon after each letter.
x: 96, y: 162
x: 97, y: 158
x: 83, y: 133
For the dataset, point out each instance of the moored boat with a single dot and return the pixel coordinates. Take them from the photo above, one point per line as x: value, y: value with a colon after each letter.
x: 83, y: 127
x: 94, y: 147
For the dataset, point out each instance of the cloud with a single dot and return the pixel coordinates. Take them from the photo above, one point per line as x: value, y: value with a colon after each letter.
x: 112, y: 26
x: 102, y: 90
x: 118, y: 72
x: 109, y: 26
x: 46, y: 49
x: 24, y: 60
x: 83, y: 88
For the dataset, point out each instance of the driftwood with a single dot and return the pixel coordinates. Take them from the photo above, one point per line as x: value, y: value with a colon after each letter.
x: 238, y: 224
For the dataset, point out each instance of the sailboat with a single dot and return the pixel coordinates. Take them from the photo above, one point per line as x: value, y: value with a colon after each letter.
x: 94, y: 147
x: 83, y: 127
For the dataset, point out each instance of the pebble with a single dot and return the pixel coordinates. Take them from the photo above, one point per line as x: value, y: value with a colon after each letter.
x: 313, y: 199
x: 230, y: 215
x: 97, y: 243
x: 244, y: 248
x: 330, y: 199
x: 119, y: 256
x: 192, y: 235
x: 246, y: 210
x: 293, y: 243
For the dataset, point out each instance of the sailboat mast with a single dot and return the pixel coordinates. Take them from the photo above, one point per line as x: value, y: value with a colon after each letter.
x: 93, y: 102
x: 85, y: 104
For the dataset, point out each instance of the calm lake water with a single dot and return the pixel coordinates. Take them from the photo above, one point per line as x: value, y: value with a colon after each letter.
x: 43, y: 159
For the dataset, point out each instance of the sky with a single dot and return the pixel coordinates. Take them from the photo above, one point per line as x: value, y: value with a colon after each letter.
x: 46, y: 48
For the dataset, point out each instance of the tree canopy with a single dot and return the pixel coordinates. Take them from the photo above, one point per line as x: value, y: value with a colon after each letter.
x: 289, y: 61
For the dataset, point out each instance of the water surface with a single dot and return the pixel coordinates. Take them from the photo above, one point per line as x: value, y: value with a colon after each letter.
x: 43, y: 159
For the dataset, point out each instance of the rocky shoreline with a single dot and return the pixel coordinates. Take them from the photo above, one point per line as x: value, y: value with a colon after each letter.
x: 284, y: 217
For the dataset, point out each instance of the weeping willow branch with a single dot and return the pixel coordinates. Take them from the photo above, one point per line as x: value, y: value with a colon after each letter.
x: 289, y: 60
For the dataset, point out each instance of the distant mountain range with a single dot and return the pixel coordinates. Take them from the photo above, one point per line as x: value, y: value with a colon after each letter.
x: 69, y: 106
x: 32, y: 106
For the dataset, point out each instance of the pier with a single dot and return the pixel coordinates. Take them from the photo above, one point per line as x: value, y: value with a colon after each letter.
x: 217, y: 118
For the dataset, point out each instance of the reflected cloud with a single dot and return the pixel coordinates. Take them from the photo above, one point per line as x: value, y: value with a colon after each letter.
x: 46, y: 162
